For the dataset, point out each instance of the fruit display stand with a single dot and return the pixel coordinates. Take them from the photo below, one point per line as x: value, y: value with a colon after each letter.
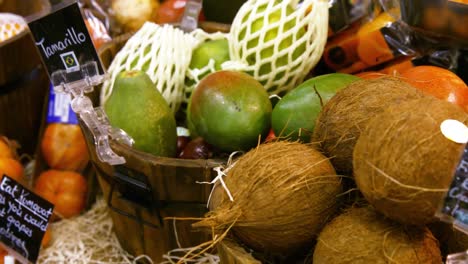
x: 354, y: 167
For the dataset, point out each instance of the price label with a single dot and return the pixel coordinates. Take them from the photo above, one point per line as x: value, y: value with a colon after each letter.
x: 64, y: 41
x: 59, y: 109
x: 455, y: 205
x: 24, y: 217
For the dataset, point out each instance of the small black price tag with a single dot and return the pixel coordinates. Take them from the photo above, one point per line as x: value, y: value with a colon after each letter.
x: 455, y: 205
x: 64, y: 41
x: 24, y: 217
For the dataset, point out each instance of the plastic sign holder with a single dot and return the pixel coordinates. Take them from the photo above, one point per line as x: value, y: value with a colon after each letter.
x: 189, y: 21
x: 459, y: 258
x: 74, y: 68
x: 94, y: 118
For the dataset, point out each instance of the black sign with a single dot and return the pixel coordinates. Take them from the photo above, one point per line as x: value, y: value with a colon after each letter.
x: 24, y: 217
x: 64, y: 42
x: 456, y: 202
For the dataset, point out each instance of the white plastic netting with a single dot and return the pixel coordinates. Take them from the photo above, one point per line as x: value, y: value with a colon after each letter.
x: 194, y: 75
x: 163, y: 52
x: 10, y: 25
x: 278, y: 42
x: 87, y: 239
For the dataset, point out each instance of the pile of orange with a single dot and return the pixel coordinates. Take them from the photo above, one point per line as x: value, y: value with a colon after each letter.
x: 64, y: 150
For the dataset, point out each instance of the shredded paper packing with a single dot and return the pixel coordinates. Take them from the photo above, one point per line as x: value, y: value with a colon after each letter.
x: 163, y: 52
x: 278, y: 42
x: 86, y: 239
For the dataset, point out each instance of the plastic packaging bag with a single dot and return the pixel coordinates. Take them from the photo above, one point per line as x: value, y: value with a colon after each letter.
x: 343, y: 13
x: 97, y: 21
x: 388, y: 40
x: 368, y: 43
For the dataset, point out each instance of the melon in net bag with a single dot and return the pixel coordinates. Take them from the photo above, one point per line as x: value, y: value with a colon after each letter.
x: 163, y: 52
x: 278, y: 42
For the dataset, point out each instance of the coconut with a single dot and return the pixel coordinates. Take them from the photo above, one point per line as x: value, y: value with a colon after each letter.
x: 403, y: 164
x: 361, y: 235
x: 346, y: 114
x: 283, y: 194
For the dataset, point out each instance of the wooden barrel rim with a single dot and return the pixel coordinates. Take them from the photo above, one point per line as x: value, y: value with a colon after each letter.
x: 125, y: 150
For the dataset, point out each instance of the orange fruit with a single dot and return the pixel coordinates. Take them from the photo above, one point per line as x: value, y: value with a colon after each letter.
x: 12, y: 168
x: 438, y: 82
x: 65, y: 189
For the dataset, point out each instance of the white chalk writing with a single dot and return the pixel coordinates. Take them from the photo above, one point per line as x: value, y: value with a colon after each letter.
x: 71, y: 38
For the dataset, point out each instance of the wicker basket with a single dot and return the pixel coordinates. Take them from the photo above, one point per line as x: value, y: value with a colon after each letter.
x: 147, y: 192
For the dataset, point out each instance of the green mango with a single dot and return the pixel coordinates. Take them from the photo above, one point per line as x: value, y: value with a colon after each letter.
x: 218, y: 50
x: 138, y: 108
x: 294, y: 116
x: 230, y: 110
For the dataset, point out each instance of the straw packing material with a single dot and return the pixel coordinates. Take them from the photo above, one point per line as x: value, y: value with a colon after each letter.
x: 86, y: 239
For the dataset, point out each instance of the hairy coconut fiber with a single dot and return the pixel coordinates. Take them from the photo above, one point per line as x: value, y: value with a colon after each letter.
x: 362, y: 236
x: 347, y: 113
x: 403, y: 164
x: 284, y: 192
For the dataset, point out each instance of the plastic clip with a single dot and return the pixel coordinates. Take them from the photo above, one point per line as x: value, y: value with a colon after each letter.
x: 458, y: 258
x: 95, y: 119
x: 189, y: 20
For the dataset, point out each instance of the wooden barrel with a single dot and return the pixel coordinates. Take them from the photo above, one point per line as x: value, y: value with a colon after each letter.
x: 23, y: 83
x: 150, y: 196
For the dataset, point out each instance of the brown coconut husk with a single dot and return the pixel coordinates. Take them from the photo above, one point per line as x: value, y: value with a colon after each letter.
x: 361, y: 235
x: 284, y: 192
x: 347, y: 113
x: 403, y: 164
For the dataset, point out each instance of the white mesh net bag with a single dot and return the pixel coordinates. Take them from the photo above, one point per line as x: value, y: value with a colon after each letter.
x: 194, y: 75
x: 163, y: 52
x: 278, y: 42
x: 10, y: 25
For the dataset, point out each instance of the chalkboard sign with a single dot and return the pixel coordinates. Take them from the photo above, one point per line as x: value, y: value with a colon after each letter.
x: 64, y: 41
x: 24, y: 218
x: 455, y: 205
